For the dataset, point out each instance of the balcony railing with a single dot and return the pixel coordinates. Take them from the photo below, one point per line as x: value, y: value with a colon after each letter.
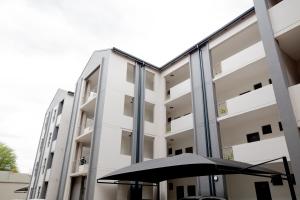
x: 247, y: 102
x: 179, y: 124
x: 81, y: 165
x: 261, y: 151
x: 240, y: 60
x: 285, y: 16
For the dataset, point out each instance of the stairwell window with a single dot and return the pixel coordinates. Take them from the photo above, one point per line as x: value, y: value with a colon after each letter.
x: 253, y: 137
x: 257, y: 86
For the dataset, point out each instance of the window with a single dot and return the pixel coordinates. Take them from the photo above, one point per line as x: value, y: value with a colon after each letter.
x: 170, y: 151
x: 257, y: 86
x: 280, y: 126
x: 55, y: 133
x: 130, y: 73
x: 39, y: 191
x: 128, y: 106
x: 179, y: 192
x: 189, y: 150
x: 253, y: 137
x: 149, y: 112
x: 270, y: 81
x: 148, y: 147
x: 149, y: 83
x: 244, y: 92
x: 178, y: 151
x: 126, y: 143
x: 170, y: 186
x: 60, y: 107
x: 44, y: 166
x: 267, y: 129
x: 191, y: 190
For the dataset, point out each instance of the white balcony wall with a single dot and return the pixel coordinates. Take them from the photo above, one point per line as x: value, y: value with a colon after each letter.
x: 241, y: 59
x: 183, y: 123
x: 285, y: 16
x: 58, y: 120
x: 180, y: 89
x: 295, y: 99
x: 260, y: 151
x: 251, y: 101
x: 48, y: 173
x: 53, y: 146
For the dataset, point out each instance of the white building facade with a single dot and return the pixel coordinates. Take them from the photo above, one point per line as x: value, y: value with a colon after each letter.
x: 46, y: 176
x: 234, y: 95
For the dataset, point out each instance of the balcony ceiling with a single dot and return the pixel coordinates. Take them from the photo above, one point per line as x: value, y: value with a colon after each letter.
x: 290, y: 43
x: 235, y: 44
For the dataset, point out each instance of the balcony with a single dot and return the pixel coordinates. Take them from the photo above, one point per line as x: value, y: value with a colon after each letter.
x: 89, y: 105
x: 53, y: 146
x: 251, y: 101
x: 180, y: 89
x: 256, y: 152
x: 295, y: 99
x: 239, y: 60
x: 80, y: 167
x: 181, y: 124
x: 285, y: 16
x: 58, y: 120
x: 85, y: 137
x: 48, y: 173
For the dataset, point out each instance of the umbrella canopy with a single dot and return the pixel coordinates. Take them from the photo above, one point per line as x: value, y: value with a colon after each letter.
x: 184, y: 165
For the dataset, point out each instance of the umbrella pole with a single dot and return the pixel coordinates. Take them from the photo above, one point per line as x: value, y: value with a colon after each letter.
x: 289, y: 178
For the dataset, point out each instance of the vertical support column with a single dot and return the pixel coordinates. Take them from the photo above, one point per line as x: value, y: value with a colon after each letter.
x: 138, y: 125
x: 215, y: 142
x: 204, y: 186
x: 206, y: 129
x: 280, y: 84
x: 96, y: 136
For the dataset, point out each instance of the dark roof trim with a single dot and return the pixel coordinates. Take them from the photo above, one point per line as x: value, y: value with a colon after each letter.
x: 127, y: 55
x: 205, y: 40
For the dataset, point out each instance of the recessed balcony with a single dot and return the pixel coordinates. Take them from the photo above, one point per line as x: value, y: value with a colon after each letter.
x: 250, y: 101
x: 81, y: 167
x: 295, y: 99
x: 85, y: 137
x: 240, y: 60
x: 181, y: 124
x: 89, y: 105
x: 180, y: 90
x: 257, y: 152
x: 285, y: 20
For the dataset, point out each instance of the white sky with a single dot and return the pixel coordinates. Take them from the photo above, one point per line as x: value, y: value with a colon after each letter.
x: 45, y: 44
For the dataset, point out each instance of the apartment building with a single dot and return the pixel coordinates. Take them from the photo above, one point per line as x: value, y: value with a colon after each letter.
x: 234, y: 95
x: 46, y: 175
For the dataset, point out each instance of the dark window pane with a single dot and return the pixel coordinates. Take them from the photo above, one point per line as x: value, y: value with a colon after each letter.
x: 191, y: 190
x: 280, y: 126
x: 253, y: 137
x: 257, y: 86
x: 170, y: 151
x: 270, y: 81
x: 189, y: 150
x: 170, y: 186
x: 267, y: 129
x: 178, y: 151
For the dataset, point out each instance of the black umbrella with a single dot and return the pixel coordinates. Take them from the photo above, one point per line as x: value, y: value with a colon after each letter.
x: 184, y: 165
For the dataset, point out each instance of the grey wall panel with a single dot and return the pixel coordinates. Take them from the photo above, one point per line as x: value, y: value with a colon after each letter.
x: 212, y: 116
x: 203, y: 183
x: 280, y: 84
x: 96, y: 136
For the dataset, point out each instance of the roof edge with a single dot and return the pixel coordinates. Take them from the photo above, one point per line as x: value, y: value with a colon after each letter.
x: 205, y: 40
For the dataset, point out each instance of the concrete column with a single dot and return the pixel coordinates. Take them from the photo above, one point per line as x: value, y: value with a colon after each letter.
x: 96, y: 136
x: 206, y: 132
x: 280, y: 84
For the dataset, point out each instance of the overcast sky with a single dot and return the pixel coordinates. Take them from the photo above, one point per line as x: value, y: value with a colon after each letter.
x: 45, y: 44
